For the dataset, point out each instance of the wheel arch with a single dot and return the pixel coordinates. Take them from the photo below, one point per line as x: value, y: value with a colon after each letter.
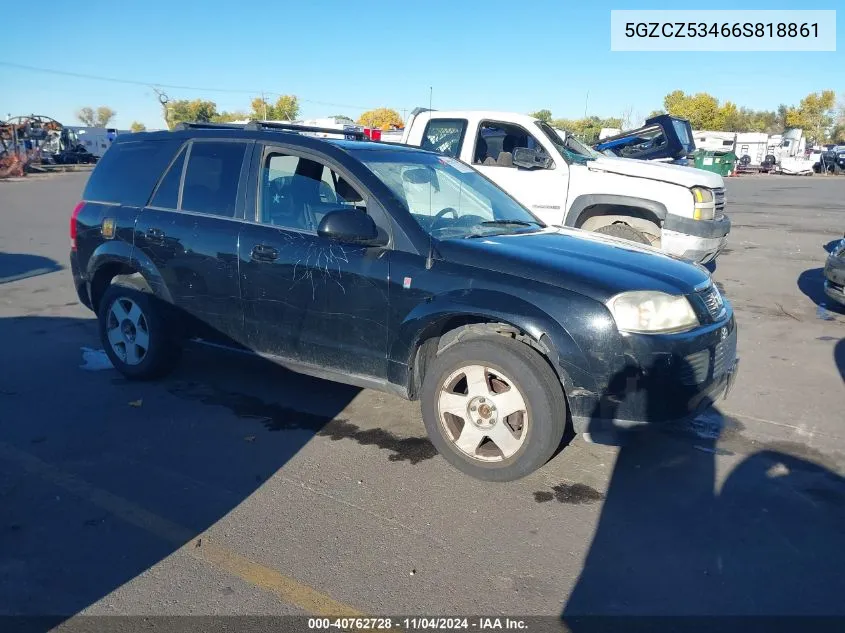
x: 116, y: 261
x: 440, y: 324
x: 586, y: 207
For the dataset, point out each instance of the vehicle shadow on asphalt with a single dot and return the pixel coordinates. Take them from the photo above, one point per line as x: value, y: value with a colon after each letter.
x: 17, y: 266
x: 758, y: 532
x: 102, y: 479
x: 811, y: 283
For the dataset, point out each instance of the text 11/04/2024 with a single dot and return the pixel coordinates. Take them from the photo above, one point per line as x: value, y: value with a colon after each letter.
x: 418, y: 623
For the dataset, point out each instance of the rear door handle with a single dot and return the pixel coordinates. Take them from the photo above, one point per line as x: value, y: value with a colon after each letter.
x: 264, y: 253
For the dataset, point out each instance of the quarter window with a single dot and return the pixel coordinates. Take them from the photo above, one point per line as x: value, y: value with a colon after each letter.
x: 167, y: 194
x: 212, y: 176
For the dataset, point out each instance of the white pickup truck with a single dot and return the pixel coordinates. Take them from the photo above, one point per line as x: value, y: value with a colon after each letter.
x: 680, y: 210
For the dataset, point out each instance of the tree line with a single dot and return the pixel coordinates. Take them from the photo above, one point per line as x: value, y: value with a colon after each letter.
x: 816, y: 114
x: 285, y: 108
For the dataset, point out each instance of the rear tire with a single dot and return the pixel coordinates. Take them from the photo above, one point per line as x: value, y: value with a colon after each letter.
x: 135, y: 334
x: 623, y: 231
x: 519, y: 413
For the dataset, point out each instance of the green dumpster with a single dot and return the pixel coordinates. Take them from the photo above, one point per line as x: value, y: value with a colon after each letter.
x: 722, y: 164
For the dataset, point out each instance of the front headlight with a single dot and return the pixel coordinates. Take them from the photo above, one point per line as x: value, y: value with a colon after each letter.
x: 705, y: 204
x: 648, y: 311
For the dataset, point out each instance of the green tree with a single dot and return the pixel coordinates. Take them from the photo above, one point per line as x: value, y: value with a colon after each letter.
x: 543, y: 115
x: 286, y: 108
x: 701, y: 109
x: 184, y: 110
x: 814, y: 115
x: 96, y: 118
x: 587, y: 129
x: 381, y: 118
x: 137, y: 126
x: 228, y: 117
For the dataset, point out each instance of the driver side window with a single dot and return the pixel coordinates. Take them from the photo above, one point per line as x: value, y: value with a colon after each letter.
x: 496, y: 141
x: 296, y: 192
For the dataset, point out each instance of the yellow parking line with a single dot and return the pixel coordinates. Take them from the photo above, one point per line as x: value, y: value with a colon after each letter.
x: 197, y: 545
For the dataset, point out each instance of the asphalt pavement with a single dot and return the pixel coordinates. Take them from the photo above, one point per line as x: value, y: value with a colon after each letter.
x: 236, y: 487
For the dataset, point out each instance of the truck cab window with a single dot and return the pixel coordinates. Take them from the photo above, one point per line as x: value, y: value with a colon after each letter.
x: 444, y: 136
x: 496, y: 142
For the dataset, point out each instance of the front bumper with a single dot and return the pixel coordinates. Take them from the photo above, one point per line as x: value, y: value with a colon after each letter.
x: 697, y: 240
x: 834, y: 278
x: 666, y: 379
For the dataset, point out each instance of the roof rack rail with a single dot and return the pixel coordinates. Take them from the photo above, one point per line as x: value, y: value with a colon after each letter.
x: 293, y: 127
x: 185, y: 125
x: 269, y: 125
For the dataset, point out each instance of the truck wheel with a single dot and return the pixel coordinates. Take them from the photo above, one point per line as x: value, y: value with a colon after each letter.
x: 623, y: 231
x: 493, y: 408
x: 135, y: 335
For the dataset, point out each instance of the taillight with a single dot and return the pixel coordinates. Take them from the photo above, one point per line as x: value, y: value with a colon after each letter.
x: 73, y: 221
x: 372, y: 133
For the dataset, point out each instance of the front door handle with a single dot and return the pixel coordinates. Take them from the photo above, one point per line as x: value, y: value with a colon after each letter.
x: 264, y: 253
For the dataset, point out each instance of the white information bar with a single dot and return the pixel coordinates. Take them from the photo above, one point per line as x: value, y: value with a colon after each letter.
x: 708, y: 30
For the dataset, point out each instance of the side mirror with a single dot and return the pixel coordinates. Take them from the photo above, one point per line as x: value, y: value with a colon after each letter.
x: 531, y: 158
x: 349, y: 226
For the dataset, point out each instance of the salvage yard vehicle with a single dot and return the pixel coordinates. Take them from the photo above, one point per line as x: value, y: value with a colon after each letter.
x: 389, y: 267
x: 678, y: 209
x: 834, y: 273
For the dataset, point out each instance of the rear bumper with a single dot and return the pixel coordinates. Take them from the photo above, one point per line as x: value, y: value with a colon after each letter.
x: 834, y: 279
x: 79, y: 281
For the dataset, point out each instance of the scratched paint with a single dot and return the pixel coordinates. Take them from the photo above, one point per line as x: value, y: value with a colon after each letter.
x: 320, y: 264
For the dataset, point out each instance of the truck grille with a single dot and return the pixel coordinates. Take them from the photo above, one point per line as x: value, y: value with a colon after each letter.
x: 713, y: 301
x: 719, y: 198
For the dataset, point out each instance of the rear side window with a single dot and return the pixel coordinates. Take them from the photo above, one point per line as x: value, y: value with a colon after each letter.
x: 129, y: 170
x: 212, y: 177
x: 444, y: 136
x: 167, y: 194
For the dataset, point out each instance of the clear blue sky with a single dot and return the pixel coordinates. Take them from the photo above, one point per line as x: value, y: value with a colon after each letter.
x: 491, y: 54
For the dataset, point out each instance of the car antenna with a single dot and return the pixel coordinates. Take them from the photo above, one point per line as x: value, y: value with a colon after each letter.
x: 429, y: 261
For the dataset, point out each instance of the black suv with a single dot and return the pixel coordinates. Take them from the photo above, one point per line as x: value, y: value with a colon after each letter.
x: 394, y: 268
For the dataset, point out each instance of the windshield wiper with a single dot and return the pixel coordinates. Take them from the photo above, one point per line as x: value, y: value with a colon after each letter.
x: 508, y: 223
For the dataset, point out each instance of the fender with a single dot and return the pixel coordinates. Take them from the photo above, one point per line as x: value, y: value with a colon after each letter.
x: 120, y: 252
x: 588, y: 200
x: 567, y: 357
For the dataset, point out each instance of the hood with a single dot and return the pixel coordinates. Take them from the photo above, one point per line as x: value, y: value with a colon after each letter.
x: 591, y: 264
x: 675, y: 174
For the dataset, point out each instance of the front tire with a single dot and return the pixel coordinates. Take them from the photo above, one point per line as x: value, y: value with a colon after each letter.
x: 624, y: 232
x: 493, y: 408
x: 135, y: 335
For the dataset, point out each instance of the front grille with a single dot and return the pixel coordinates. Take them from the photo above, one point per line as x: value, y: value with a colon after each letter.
x: 719, y: 197
x: 695, y: 368
x: 724, y: 356
x: 713, y: 302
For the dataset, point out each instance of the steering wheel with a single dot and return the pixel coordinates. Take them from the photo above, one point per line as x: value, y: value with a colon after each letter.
x: 442, y: 214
